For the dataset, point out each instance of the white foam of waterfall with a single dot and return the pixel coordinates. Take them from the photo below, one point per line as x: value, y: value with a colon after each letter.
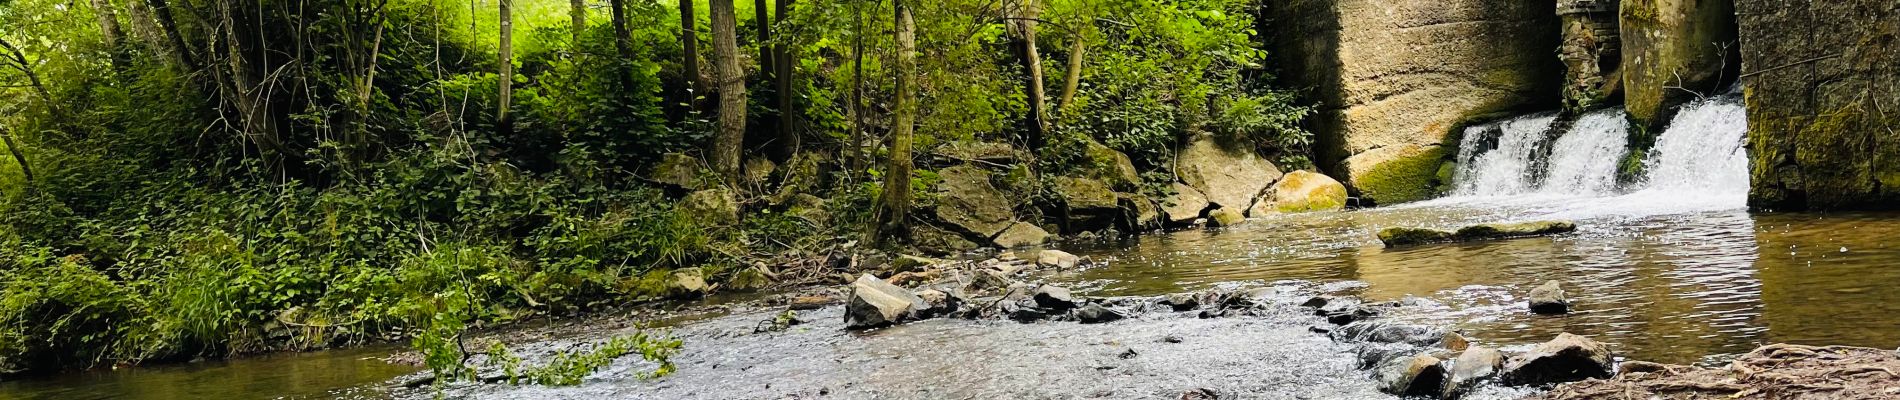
x: 1701, y: 154
x: 1584, y: 160
x: 1506, y: 168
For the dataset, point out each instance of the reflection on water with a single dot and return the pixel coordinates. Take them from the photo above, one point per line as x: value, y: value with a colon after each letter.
x: 1682, y: 288
x: 315, y: 375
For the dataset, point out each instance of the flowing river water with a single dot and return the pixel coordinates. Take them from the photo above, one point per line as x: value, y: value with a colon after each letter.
x: 1669, y: 268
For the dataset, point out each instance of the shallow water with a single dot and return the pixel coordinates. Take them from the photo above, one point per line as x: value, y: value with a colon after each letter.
x: 336, y: 374
x: 1680, y: 288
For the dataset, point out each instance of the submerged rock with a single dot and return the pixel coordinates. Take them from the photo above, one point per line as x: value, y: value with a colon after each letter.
x: 875, y: 303
x: 1227, y: 216
x: 1549, y: 299
x: 1406, y: 236
x: 1568, y: 358
x: 1471, y: 368
x: 1418, y: 375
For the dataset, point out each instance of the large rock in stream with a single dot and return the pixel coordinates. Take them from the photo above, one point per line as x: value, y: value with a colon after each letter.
x: 1418, y: 375
x: 1549, y: 299
x: 1394, y: 78
x: 1568, y: 358
x: 876, y: 303
x: 1471, y: 368
x: 1405, y: 236
x: 1228, y: 171
x: 1301, y: 191
x: 1823, y: 103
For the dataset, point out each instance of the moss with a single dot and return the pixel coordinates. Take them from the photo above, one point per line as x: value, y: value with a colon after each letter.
x: 1402, y: 178
x: 1401, y: 236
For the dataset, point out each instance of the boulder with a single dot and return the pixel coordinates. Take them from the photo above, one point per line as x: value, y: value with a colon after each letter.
x: 875, y: 303
x: 1228, y: 172
x: 1820, y: 103
x: 1141, y: 212
x: 975, y: 151
x: 752, y: 278
x: 1096, y: 314
x: 1108, y: 165
x: 1471, y: 368
x: 1549, y: 299
x: 935, y: 240
x: 683, y: 172
x: 1058, y: 259
x: 1671, y: 48
x: 1185, y: 205
x: 1182, y: 301
x: 757, y: 170
x: 1302, y: 191
x: 1054, y: 298
x: 1227, y: 216
x: 1405, y: 236
x: 1393, y: 79
x: 1418, y: 375
x: 936, y: 302
x: 1568, y: 358
x: 1021, y: 235
x: 711, y: 207
x: 1085, y: 195
x: 687, y: 282
x: 967, y: 200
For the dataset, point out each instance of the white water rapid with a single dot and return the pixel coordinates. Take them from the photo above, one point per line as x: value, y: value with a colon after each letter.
x: 1697, y: 164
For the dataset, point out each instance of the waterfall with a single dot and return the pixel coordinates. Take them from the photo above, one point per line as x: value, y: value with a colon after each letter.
x: 1698, y: 162
x: 1584, y: 160
x: 1495, y: 159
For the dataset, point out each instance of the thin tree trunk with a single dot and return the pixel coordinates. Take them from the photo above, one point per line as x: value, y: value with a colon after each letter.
x: 623, y: 45
x: 577, y: 11
x: 762, y: 16
x: 689, y: 38
x: 732, y: 96
x: 1032, y: 63
x: 19, y: 154
x: 1074, y: 72
x: 162, y: 11
x: 856, y: 145
x: 787, y: 117
x: 503, y: 120
x: 893, y: 221
x: 245, y: 59
x: 19, y: 61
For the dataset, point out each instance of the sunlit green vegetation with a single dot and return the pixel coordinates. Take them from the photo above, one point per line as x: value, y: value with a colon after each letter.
x: 223, y: 176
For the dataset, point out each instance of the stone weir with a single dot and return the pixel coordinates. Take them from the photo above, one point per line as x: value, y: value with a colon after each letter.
x: 1394, y: 79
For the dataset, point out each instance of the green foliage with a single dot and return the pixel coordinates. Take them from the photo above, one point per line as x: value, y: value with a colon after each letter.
x: 568, y: 368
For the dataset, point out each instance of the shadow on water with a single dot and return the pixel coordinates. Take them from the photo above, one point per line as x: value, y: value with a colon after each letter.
x: 336, y: 374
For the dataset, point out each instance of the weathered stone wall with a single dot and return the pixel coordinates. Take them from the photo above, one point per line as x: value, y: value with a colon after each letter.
x: 1395, y: 78
x: 1822, y: 86
x: 1673, y: 49
x: 1591, y: 53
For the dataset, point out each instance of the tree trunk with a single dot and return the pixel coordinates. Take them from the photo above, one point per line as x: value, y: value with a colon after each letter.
x: 1032, y: 64
x: 893, y: 222
x: 856, y: 146
x: 689, y: 39
x: 577, y: 11
x: 162, y: 11
x: 245, y: 58
x: 762, y: 16
x: 19, y: 154
x: 787, y: 117
x: 144, y: 28
x: 1074, y: 72
x: 503, y: 121
x: 623, y: 45
x: 732, y: 97
x: 115, y: 36
x: 108, y: 22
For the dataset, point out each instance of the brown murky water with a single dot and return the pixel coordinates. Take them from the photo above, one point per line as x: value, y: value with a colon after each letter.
x: 1673, y: 286
x: 1680, y: 288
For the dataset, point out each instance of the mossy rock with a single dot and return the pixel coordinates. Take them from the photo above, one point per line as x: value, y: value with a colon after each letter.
x: 1305, y: 191
x: 1397, y: 174
x: 712, y: 207
x: 1404, y: 236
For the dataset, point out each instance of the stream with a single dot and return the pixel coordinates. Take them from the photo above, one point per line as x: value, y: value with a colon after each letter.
x: 1671, y: 268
